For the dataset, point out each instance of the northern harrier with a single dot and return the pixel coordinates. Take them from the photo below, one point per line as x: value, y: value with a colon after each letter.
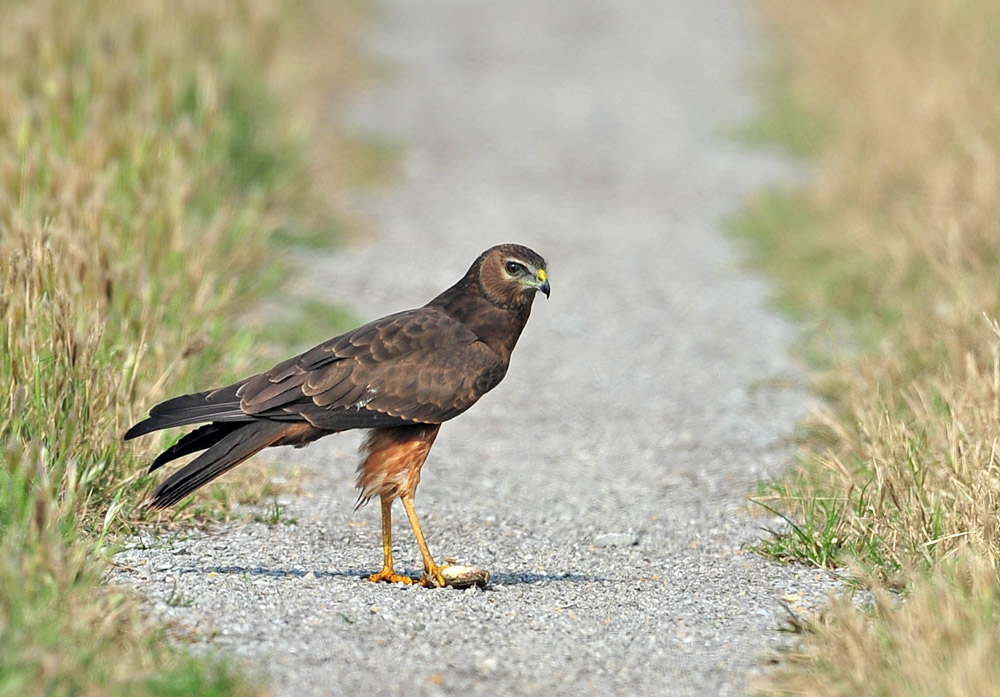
x: 401, y: 376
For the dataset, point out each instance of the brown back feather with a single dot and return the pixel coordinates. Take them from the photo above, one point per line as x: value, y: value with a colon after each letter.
x: 422, y: 366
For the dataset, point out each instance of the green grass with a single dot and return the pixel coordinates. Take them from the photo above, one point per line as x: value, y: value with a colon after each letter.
x: 310, y: 238
x: 147, y: 155
x: 273, y: 515
x: 788, y: 117
x: 300, y: 318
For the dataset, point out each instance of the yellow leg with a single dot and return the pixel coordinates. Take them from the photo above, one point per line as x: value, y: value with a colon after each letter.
x: 432, y: 572
x: 387, y: 575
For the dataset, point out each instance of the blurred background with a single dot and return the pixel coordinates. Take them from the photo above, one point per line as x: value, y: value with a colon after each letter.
x: 165, y: 166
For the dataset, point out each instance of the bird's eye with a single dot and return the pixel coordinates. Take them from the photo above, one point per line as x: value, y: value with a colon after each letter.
x: 513, y: 268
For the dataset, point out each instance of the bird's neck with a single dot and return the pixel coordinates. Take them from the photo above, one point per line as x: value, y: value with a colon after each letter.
x: 498, y: 326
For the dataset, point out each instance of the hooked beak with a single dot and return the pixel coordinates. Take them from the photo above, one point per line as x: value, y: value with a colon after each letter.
x: 543, y: 282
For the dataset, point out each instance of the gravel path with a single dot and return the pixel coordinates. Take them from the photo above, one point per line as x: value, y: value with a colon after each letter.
x: 604, y: 482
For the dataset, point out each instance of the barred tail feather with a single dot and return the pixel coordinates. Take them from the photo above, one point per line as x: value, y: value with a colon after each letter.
x: 199, y: 439
x: 232, y: 449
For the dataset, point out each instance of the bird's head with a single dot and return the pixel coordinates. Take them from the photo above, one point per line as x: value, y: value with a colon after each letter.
x: 510, y: 274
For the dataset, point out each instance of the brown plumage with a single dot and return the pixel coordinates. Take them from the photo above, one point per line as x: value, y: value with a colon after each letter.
x: 401, y: 376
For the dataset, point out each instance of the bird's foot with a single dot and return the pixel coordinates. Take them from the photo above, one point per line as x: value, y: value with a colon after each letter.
x: 433, y: 578
x: 455, y: 576
x: 387, y: 575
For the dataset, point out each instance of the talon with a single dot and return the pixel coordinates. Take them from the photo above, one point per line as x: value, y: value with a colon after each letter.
x: 433, y: 578
x: 439, y: 576
x: 389, y: 576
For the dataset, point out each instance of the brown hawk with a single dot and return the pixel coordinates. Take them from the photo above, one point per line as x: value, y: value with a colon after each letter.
x: 401, y: 376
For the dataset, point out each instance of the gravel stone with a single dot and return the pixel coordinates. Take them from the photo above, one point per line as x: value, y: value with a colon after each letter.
x: 650, y: 394
x: 616, y: 539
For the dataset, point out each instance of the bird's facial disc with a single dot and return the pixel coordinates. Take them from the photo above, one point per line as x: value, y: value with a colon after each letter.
x: 527, y: 275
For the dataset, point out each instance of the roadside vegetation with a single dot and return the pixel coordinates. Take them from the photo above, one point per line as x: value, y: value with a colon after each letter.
x: 891, y: 258
x: 156, y: 159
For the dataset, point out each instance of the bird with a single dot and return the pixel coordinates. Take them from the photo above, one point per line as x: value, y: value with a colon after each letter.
x: 400, y: 377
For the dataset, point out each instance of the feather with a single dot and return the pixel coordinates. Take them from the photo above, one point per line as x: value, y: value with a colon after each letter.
x: 198, y: 439
x: 213, y: 405
x: 419, y: 367
x: 231, y: 450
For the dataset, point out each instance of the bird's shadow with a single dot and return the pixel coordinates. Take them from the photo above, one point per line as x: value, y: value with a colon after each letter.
x: 261, y: 571
x: 498, y: 579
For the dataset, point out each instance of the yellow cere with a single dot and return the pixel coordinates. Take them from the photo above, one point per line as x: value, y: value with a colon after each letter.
x: 542, y: 276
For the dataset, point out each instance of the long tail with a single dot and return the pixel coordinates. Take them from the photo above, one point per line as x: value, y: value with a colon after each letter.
x: 222, y: 404
x: 236, y: 444
x: 199, y: 439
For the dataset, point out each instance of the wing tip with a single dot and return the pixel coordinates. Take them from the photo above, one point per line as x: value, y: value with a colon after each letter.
x: 139, y: 429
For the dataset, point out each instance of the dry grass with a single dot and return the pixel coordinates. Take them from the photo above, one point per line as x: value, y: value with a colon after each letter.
x: 144, y: 162
x: 899, y: 261
x: 939, y: 642
x: 909, y: 192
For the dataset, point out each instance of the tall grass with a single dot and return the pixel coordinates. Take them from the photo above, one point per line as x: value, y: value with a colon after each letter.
x: 899, y: 263
x: 907, y: 208
x: 143, y: 164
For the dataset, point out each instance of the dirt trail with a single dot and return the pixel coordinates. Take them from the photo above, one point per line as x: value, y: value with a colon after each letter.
x: 644, y: 401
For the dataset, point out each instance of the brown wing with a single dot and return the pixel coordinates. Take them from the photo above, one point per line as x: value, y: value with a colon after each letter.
x: 415, y: 366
